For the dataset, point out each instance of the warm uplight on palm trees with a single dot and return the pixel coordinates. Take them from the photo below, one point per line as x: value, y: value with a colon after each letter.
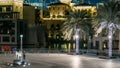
x: 21, y: 47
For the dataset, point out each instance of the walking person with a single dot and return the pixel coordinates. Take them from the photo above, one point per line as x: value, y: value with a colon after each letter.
x: 24, y: 56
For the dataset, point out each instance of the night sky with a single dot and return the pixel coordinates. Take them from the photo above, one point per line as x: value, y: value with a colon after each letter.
x: 86, y: 1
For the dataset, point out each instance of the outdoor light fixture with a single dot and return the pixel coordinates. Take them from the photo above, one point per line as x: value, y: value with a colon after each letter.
x: 21, y: 37
x: 76, y: 37
x: 110, y: 37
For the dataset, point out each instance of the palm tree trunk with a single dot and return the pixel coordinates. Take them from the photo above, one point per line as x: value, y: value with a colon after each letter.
x: 89, y: 44
x: 110, y: 36
x: 77, y: 42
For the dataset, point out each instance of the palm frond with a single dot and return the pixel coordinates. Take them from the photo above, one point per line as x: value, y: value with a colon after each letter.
x: 108, y: 13
x: 75, y: 20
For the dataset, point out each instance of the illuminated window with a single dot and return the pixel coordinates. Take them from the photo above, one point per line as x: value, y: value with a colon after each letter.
x: 57, y: 36
x: 3, y: 9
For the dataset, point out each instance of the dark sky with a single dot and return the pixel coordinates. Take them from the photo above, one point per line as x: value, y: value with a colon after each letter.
x: 95, y: 1
x: 87, y: 1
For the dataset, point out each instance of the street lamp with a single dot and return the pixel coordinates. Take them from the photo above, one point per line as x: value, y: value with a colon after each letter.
x: 21, y: 46
x: 109, y: 37
x: 21, y: 39
x: 20, y: 61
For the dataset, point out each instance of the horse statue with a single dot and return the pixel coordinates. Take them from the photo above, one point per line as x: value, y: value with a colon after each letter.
x: 18, y: 55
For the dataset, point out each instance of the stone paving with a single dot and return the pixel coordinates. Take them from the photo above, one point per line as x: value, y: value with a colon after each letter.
x: 62, y: 61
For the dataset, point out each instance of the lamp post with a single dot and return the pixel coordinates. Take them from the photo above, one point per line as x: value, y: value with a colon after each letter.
x: 20, y: 61
x: 21, y: 46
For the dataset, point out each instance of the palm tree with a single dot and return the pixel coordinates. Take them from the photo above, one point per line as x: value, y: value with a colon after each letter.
x: 76, y: 24
x: 108, y: 16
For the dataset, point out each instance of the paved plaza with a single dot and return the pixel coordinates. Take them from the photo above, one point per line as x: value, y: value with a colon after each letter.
x: 62, y: 61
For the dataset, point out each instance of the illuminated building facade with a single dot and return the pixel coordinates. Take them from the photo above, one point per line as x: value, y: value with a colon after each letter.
x: 16, y: 18
x: 55, y: 16
x: 10, y: 12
